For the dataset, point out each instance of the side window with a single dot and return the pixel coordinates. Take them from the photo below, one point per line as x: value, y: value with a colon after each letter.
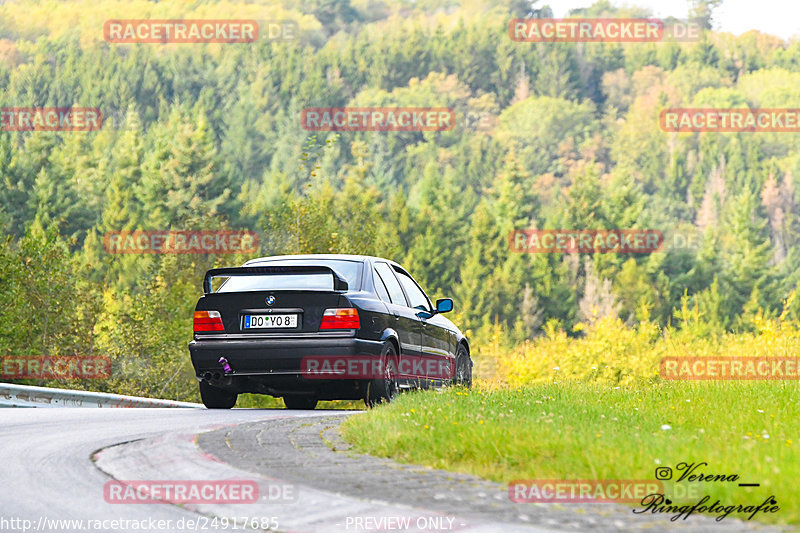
x: 395, y: 291
x: 380, y: 288
x: 415, y: 294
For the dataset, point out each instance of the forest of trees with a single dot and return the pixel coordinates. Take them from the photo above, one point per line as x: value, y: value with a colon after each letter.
x: 548, y: 135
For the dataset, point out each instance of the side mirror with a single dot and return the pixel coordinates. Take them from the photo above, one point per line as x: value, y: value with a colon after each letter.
x: 444, y: 305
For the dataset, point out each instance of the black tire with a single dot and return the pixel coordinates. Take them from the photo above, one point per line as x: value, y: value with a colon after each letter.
x: 299, y: 401
x: 214, y: 398
x: 463, y: 376
x: 384, y: 388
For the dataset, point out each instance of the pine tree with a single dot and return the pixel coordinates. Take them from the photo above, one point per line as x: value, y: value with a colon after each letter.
x: 181, y: 182
x: 746, y: 256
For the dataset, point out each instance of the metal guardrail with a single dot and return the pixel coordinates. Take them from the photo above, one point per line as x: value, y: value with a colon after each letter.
x: 12, y: 395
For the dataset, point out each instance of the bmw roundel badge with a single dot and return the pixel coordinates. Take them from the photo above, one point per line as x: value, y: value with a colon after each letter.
x: 270, y: 299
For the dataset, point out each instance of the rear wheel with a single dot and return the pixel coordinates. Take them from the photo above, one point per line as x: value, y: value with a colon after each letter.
x: 384, y: 388
x: 300, y: 402
x: 214, y: 398
x: 463, y: 375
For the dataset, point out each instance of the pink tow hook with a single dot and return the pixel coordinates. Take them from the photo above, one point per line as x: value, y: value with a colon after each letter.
x: 225, y: 366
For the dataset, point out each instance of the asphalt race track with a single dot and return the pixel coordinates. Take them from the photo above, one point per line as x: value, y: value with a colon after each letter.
x: 57, y: 463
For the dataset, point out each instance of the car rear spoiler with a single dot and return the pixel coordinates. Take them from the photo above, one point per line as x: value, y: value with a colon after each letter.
x: 339, y: 283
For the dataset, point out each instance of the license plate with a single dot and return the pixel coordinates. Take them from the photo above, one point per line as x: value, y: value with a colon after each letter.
x: 269, y: 321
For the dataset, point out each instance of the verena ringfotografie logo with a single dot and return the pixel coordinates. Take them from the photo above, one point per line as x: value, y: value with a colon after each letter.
x: 730, y: 368
x: 55, y: 367
x: 582, y: 490
x: 377, y: 119
x: 181, y: 242
x: 50, y: 119
x: 781, y: 120
x: 372, y: 367
x: 587, y: 241
x: 180, y: 492
x: 602, y: 30
x: 692, y: 476
x: 180, y: 31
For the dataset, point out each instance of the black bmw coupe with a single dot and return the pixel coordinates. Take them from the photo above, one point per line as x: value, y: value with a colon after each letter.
x: 322, y: 327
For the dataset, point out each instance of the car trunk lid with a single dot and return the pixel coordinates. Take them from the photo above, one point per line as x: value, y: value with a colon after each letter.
x: 274, y: 300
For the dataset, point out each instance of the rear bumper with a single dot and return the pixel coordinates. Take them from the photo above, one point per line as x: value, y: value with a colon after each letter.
x: 274, y: 365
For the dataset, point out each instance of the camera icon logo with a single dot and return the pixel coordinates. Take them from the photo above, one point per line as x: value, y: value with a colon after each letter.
x: 663, y: 473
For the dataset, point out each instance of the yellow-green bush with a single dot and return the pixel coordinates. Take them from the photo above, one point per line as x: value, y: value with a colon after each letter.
x: 609, y: 352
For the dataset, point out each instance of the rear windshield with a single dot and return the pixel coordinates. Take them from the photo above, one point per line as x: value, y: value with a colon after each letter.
x: 349, y: 270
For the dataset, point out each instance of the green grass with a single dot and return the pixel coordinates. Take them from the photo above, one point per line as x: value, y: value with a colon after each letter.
x: 579, y: 431
x: 264, y: 401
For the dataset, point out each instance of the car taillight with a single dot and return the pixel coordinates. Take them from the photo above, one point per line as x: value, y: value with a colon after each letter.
x: 340, y: 319
x: 208, y: 321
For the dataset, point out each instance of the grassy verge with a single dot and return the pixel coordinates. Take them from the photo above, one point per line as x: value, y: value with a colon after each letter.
x: 263, y: 401
x: 572, y: 430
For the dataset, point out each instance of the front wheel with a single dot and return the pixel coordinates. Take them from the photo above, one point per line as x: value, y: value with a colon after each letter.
x: 214, y: 398
x: 384, y: 388
x: 463, y: 374
x: 300, y: 402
